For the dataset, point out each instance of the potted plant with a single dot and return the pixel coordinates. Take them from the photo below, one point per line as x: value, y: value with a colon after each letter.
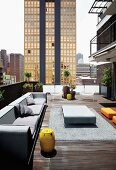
x: 106, y: 82
x: 28, y: 75
x: 66, y: 75
x: 38, y: 87
x: 27, y: 87
x: 72, y: 92
x: 66, y: 88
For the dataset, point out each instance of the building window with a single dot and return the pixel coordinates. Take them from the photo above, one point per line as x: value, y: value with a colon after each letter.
x: 29, y: 51
x: 52, y: 44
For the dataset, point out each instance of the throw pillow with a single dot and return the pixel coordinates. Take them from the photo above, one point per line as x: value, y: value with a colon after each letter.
x: 17, y: 110
x: 30, y: 100
x: 25, y: 111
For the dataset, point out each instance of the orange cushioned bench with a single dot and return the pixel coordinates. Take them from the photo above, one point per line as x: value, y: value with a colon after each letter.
x: 114, y: 119
x: 109, y: 111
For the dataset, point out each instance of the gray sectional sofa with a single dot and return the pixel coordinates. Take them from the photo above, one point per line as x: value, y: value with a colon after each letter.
x: 20, y: 124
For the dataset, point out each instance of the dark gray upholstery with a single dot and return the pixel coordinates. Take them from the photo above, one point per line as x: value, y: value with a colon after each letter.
x: 7, y: 115
x: 18, y: 135
x: 15, y: 140
x: 30, y: 121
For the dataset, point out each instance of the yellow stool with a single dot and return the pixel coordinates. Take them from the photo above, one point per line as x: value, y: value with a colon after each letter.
x: 69, y: 96
x: 47, y: 140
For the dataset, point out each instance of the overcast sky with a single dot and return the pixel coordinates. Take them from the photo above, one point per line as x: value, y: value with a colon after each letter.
x: 12, y: 26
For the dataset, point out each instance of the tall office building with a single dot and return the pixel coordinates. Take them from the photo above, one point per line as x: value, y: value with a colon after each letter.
x: 50, y: 39
x: 4, y: 57
x: 1, y: 71
x: 17, y: 66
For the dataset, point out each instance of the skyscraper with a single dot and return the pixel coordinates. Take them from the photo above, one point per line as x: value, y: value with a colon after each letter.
x: 17, y: 66
x: 4, y: 57
x: 50, y: 39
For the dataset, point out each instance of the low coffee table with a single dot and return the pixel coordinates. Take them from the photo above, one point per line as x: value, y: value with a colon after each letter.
x: 79, y: 114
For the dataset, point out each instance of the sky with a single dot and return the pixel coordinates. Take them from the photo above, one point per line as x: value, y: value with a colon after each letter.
x: 86, y: 27
x: 12, y: 26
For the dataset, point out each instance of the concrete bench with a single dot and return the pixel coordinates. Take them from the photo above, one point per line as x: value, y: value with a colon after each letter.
x: 79, y: 114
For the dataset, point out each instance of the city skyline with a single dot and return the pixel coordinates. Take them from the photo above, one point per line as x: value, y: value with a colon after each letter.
x: 12, y: 27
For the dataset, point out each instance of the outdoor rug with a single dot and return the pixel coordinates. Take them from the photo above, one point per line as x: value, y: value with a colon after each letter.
x: 101, y: 131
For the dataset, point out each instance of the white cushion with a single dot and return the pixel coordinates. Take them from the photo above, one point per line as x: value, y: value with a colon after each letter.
x: 39, y: 100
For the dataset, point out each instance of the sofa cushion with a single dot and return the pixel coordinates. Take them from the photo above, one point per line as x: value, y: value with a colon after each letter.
x: 17, y: 110
x: 108, y: 111
x: 37, y: 109
x: 39, y: 100
x: 30, y: 100
x: 25, y: 111
x: 30, y: 121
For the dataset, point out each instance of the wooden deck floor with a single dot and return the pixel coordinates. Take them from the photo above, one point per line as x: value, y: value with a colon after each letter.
x: 77, y: 155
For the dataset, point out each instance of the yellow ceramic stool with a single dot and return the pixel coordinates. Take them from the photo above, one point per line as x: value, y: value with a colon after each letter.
x: 69, y: 96
x: 47, y: 140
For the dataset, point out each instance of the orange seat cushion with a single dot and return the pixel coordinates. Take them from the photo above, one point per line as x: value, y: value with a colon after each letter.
x: 109, y: 112
x: 114, y: 119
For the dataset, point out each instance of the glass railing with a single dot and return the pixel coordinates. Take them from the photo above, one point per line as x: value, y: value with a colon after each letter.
x: 79, y: 89
x: 105, y: 36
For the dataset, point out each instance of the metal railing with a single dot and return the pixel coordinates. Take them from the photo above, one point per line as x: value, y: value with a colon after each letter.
x: 103, y: 38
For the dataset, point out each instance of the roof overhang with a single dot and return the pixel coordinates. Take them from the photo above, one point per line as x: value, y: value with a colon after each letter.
x: 99, y: 6
x: 106, y: 54
x: 111, y: 10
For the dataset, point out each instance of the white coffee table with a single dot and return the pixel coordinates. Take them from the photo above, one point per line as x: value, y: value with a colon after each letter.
x: 78, y: 114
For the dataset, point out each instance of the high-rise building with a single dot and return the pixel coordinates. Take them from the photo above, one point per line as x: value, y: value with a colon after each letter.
x: 17, y: 66
x: 1, y: 71
x: 50, y: 39
x: 4, y: 57
x: 79, y: 58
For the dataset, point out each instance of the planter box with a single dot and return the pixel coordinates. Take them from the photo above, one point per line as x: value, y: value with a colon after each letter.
x: 105, y: 91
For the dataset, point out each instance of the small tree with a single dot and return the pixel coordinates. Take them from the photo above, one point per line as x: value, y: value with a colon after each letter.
x: 28, y: 75
x: 107, y: 77
x: 66, y: 75
x: 39, y: 87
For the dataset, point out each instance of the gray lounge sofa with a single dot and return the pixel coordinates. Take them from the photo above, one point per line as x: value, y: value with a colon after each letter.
x: 19, y: 132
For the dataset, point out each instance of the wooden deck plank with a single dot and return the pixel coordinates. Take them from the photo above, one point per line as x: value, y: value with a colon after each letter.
x: 77, y: 155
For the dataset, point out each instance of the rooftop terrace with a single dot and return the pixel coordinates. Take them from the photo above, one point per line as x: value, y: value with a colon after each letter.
x: 76, y: 154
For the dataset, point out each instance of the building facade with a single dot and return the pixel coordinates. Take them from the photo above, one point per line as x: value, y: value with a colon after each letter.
x: 83, y: 69
x: 50, y: 39
x: 79, y: 58
x: 4, y: 57
x: 105, y: 40
x: 17, y: 66
x: 1, y: 71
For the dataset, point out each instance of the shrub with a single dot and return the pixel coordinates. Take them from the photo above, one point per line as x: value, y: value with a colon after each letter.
x: 107, y: 78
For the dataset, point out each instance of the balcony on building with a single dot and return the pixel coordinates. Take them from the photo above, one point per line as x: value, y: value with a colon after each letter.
x: 103, y: 45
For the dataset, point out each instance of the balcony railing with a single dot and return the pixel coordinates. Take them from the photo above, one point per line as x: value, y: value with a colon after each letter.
x: 14, y: 91
x: 104, y: 37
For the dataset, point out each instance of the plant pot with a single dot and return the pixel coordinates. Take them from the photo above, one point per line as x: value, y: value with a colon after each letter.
x: 106, y: 91
x: 66, y: 90
x: 73, y: 94
x: 28, y: 89
x: 38, y: 89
